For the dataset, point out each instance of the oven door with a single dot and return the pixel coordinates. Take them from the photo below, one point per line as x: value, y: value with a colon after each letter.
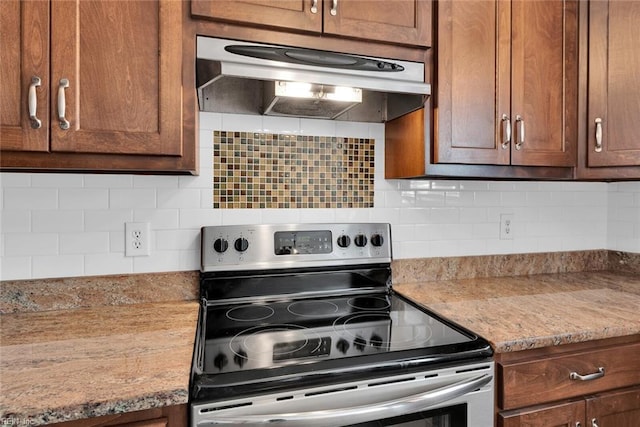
x: 451, y: 397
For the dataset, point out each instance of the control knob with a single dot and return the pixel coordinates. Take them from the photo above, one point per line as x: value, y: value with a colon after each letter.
x: 342, y: 345
x: 241, y: 244
x: 240, y: 358
x: 359, y: 343
x: 344, y: 241
x: 377, y: 240
x: 375, y: 341
x: 360, y: 240
x: 220, y: 361
x: 220, y: 245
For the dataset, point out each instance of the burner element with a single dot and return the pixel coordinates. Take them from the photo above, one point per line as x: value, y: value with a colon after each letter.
x: 369, y: 303
x: 312, y: 308
x: 250, y: 313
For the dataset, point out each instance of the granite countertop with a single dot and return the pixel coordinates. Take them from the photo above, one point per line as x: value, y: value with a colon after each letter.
x: 77, y: 363
x: 82, y: 347
x: 525, y: 312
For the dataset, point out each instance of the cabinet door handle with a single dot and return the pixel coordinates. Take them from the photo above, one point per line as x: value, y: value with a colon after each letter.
x: 578, y: 424
x: 62, y: 104
x: 588, y: 377
x: 598, y: 148
x: 334, y: 7
x: 314, y: 6
x: 506, y: 131
x: 520, y: 123
x: 594, y: 422
x: 33, y: 102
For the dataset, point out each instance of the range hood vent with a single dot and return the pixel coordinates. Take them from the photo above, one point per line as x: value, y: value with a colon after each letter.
x: 250, y: 78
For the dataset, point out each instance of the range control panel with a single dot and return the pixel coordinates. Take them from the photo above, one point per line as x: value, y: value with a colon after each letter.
x: 238, y: 247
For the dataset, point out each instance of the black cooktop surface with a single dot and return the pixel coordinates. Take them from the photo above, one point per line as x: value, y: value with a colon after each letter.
x: 267, y: 345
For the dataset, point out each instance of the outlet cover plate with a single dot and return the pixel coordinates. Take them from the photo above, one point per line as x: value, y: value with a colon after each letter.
x: 136, y: 239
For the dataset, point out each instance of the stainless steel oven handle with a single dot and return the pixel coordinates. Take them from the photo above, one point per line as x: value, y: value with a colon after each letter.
x: 379, y: 410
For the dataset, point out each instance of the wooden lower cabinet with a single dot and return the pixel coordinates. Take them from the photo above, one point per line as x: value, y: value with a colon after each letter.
x: 168, y: 416
x: 620, y: 408
x: 594, y: 384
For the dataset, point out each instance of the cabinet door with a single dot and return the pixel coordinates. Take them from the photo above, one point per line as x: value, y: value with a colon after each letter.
x: 122, y: 62
x: 303, y: 15
x: 24, y: 43
x: 473, y: 82
x: 615, y: 409
x: 569, y: 414
x: 397, y: 21
x: 614, y: 83
x: 544, y: 83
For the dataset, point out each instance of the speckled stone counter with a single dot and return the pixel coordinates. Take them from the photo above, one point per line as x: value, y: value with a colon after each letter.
x: 525, y: 312
x: 69, y: 364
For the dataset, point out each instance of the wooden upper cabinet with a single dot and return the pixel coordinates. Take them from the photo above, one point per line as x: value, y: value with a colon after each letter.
x: 111, y: 86
x: 406, y: 22
x: 122, y: 92
x: 507, y: 83
x: 287, y: 14
x: 402, y: 22
x: 614, y: 84
x: 24, y: 75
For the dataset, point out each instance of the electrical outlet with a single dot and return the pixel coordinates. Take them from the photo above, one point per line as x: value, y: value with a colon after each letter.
x: 506, y: 226
x: 136, y: 239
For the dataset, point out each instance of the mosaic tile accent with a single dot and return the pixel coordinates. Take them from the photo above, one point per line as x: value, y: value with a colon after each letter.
x: 265, y: 170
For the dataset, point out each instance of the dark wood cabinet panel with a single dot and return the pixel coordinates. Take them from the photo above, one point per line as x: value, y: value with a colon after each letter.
x: 535, y: 388
x: 167, y: 416
x: 613, y: 88
x: 400, y: 22
x: 473, y: 81
x: 286, y: 14
x: 507, y: 83
x: 24, y: 43
x: 620, y: 409
x: 114, y: 72
x: 568, y: 414
x: 123, y: 95
x: 544, y: 83
x: 405, y: 22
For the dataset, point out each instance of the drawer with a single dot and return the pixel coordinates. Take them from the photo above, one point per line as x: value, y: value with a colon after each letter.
x: 549, y: 379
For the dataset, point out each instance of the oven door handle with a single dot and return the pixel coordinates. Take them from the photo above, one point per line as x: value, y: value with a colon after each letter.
x: 378, y: 410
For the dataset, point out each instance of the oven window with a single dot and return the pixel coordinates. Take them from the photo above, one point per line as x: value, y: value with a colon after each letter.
x: 451, y: 416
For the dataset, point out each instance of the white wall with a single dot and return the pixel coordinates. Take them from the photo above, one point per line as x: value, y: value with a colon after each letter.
x: 58, y: 225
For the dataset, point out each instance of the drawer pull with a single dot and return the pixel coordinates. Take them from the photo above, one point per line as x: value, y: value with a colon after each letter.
x: 588, y: 377
x: 594, y: 422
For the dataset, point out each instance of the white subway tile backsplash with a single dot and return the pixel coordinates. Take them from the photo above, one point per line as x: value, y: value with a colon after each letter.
x: 28, y: 244
x: 107, y: 220
x: 56, y: 180
x: 15, y: 221
x: 27, y: 199
x: 56, y: 225
x: 108, y: 181
x: 57, y: 266
x: 107, y: 263
x: 159, y: 219
x: 84, y: 243
x: 57, y: 221
x: 144, y: 198
x: 15, y: 268
x: 178, y: 198
x: 83, y: 198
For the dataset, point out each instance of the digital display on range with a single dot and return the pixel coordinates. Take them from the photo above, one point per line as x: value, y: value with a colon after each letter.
x: 302, y: 242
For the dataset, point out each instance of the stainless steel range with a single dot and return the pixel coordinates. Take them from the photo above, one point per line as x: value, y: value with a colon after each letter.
x: 299, y: 325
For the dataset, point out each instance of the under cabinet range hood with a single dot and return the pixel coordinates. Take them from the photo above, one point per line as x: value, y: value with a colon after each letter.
x: 253, y: 78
